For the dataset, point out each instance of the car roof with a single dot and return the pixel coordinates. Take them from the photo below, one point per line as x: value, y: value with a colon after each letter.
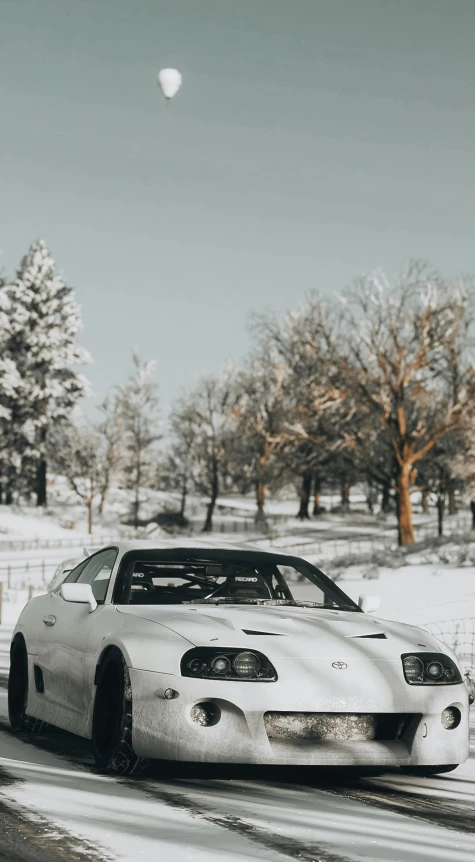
x: 190, y: 544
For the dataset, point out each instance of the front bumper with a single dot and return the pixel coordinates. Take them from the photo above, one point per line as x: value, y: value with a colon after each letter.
x: 164, y: 729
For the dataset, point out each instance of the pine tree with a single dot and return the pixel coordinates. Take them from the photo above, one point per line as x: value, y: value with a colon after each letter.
x: 42, y: 345
x: 10, y: 392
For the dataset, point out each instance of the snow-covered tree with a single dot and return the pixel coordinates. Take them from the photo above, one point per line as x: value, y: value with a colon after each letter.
x: 43, y: 352
x: 137, y: 410
x: 9, y: 383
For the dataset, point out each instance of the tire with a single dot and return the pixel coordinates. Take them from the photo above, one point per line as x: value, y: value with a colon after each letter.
x: 112, y: 719
x: 18, y: 690
x: 427, y: 771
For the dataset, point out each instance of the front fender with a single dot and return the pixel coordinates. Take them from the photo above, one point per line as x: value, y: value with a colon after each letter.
x: 145, y: 645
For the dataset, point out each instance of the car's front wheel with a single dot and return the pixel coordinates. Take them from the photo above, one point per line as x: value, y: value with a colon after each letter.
x: 112, y: 719
x: 18, y: 690
x: 427, y: 771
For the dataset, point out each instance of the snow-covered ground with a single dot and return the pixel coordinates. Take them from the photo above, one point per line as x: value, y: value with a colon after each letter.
x: 433, y: 586
x: 66, y: 515
x: 31, y: 524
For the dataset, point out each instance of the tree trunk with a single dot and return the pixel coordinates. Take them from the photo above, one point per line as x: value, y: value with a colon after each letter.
x: 136, y: 508
x: 303, y: 514
x: 41, y: 480
x: 440, y: 514
x: 41, y: 474
x: 452, y: 503
x: 104, y: 492
x: 260, y: 501
x: 472, y: 509
x: 369, y: 501
x: 425, y: 501
x: 404, y: 507
x: 386, y: 498
x: 208, y: 524
x: 89, y: 517
x: 184, y: 492
x: 1, y: 495
x: 345, y: 496
x: 317, y: 497
x: 138, y: 483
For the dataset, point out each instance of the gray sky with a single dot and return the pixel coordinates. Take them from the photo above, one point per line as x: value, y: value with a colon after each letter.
x: 311, y: 140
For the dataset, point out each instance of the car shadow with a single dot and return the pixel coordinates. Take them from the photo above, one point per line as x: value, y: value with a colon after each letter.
x: 78, y: 751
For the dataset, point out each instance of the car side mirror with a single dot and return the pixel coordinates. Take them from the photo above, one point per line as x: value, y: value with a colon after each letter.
x: 369, y: 604
x: 79, y: 593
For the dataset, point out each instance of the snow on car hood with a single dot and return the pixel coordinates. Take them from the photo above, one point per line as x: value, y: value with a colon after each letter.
x: 289, y: 631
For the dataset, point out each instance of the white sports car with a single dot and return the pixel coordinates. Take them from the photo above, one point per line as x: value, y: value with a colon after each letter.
x: 233, y: 655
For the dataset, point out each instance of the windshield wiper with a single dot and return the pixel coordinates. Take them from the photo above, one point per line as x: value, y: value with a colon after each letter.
x: 294, y: 603
x: 221, y: 600
x: 230, y: 600
x: 325, y: 605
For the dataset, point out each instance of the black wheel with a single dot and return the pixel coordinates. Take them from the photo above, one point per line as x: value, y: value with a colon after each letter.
x: 427, y: 771
x: 18, y: 690
x: 112, y: 719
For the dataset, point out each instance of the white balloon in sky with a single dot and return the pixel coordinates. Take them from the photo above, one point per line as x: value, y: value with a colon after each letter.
x: 169, y: 81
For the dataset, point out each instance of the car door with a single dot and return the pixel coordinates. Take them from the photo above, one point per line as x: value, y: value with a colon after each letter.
x: 66, y: 631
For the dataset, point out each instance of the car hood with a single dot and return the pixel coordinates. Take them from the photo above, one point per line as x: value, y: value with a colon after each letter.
x: 289, y: 631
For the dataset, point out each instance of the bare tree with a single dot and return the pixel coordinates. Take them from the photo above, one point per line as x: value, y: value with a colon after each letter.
x: 109, y: 430
x: 462, y: 464
x: 399, y: 343
x: 137, y: 410
x: 314, y: 413
x: 204, y: 417
x: 178, y: 470
x: 77, y: 453
x: 258, y: 418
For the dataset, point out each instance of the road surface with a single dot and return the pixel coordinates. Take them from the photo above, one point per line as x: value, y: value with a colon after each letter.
x: 54, y: 806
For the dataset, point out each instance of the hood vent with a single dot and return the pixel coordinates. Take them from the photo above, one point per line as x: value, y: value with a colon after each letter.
x: 251, y: 632
x: 380, y: 635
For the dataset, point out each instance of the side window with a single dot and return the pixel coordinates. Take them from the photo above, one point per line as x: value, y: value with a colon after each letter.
x: 98, y: 572
x: 73, y: 575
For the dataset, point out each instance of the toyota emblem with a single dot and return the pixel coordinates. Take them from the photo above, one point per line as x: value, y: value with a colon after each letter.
x: 339, y: 665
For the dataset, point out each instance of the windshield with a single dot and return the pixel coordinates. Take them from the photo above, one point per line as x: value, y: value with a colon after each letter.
x: 149, y: 581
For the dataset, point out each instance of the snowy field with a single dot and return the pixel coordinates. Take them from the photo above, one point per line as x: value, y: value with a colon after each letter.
x: 433, y: 587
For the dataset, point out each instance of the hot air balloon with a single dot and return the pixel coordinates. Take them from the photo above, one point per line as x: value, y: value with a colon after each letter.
x: 169, y: 81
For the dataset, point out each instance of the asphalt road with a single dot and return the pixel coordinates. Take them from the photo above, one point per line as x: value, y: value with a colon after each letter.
x: 50, y: 796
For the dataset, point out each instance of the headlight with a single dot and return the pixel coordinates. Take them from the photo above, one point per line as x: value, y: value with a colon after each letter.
x: 423, y: 668
x: 247, y: 665
x: 229, y: 664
